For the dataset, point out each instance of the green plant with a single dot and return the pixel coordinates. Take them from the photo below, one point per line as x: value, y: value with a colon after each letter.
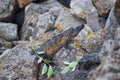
x: 70, y: 67
x: 47, y: 68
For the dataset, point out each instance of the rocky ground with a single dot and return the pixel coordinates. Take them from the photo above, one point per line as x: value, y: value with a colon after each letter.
x: 98, y: 42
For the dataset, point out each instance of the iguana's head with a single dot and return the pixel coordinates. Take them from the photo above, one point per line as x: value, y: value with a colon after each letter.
x: 75, y: 30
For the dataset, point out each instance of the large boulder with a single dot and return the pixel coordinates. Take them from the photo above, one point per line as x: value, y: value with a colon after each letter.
x: 66, y: 20
x: 35, y: 20
x: 6, y: 10
x: 8, y: 31
x: 111, y: 25
x: 4, y: 45
x: 110, y: 56
x: 90, y: 40
x: 17, y: 63
x: 103, y: 6
x: 86, y: 10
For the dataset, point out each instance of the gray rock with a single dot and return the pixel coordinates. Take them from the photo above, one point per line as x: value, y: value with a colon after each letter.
x: 48, y: 4
x: 103, y: 6
x: 4, y: 45
x: 55, y: 11
x: 66, y: 20
x: 111, y: 25
x: 8, y: 31
x: 37, y: 23
x: 45, y: 23
x: 86, y: 10
x: 117, y: 35
x: 110, y: 61
x: 90, y: 43
x: 4, y: 52
x: 6, y: 10
x: 17, y: 63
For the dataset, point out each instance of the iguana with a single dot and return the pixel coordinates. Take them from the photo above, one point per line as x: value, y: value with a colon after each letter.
x: 53, y: 45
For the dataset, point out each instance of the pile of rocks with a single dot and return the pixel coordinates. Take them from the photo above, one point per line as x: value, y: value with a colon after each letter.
x: 43, y: 19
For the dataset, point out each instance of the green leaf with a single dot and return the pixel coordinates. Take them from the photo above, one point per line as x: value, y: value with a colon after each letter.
x: 47, y: 61
x: 31, y: 39
x: 63, y: 67
x: 55, y: 72
x: 65, y: 62
x: 33, y: 48
x: 41, y: 52
x: 73, y: 64
x: 40, y: 60
x: 65, y: 70
x: 38, y: 44
x: 44, y: 69
x: 73, y: 68
x: 78, y: 58
x: 50, y: 72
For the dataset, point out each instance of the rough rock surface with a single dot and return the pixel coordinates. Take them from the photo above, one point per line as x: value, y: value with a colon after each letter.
x: 92, y: 43
x: 35, y: 20
x: 111, y: 25
x: 86, y: 10
x: 110, y: 56
x: 45, y: 23
x: 103, y: 6
x: 31, y: 17
x: 4, y: 45
x: 6, y: 10
x: 8, y: 31
x: 17, y: 63
x: 66, y: 20
x: 45, y: 6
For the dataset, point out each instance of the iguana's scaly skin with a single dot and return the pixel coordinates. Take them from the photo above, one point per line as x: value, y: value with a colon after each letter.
x: 54, y: 44
x: 51, y: 46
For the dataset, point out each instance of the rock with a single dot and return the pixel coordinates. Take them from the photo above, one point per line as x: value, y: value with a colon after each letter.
x: 31, y: 10
x: 111, y: 25
x: 31, y: 17
x: 55, y: 11
x: 4, y: 52
x: 110, y: 61
x: 4, y: 45
x: 86, y: 10
x: 103, y: 6
x: 37, y: 25
x: 90, y: 43
x: 6, y: 10
x: 8, y: 31
x: 45, y: 6
x: 17, y: 63
x: 66, y: 20
x: 117, y: 34
x: 45, y: 23
x: 35, y: 20
x: 117, y: 10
